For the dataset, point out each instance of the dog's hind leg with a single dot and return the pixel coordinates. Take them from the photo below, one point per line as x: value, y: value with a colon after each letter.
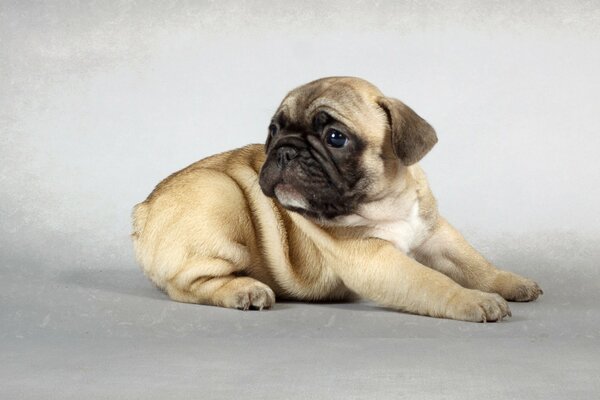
x: 214, y: 281
x: 198, y: 244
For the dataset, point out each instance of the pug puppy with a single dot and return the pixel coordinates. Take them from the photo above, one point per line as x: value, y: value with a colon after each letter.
x: 333, y: 207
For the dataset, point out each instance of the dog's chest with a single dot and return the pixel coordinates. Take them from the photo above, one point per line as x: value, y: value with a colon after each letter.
x: 406, y: 232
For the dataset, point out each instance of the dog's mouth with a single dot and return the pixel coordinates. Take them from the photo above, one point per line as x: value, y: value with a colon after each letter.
x: 289, y: 197
x: 276, y: 175
x: 275, y: 183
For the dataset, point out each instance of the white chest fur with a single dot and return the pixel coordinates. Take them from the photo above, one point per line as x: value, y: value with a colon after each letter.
x: 406, y: 232
x: 400, y: 224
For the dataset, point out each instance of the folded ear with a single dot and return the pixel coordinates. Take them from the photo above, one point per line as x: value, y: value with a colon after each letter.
x: 412, y: 136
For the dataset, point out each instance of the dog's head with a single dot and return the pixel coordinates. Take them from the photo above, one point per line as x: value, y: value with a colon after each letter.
x: 337, y: 143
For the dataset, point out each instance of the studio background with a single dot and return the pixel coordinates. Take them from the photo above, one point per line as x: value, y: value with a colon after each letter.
x: 99, y: 101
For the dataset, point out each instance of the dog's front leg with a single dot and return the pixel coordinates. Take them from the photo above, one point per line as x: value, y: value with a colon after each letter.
x: 376, y: 270
x: 447, y: 251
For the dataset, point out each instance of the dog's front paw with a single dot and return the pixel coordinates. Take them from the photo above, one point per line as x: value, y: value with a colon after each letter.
x: 477, y: 306
x: 516, y: 288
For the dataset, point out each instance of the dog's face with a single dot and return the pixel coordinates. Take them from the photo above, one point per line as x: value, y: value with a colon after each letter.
x: 337, y: 143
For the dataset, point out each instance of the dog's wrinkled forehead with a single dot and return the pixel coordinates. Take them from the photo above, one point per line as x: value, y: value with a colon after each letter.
x: 351, y: 101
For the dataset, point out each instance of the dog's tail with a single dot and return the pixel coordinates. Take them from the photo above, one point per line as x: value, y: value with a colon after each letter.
x: 139, y: 216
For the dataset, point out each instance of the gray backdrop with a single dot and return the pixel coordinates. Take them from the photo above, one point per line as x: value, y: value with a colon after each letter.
x: 101, y: 100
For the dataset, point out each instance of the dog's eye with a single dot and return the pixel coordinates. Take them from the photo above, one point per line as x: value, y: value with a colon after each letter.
x: 272, y: 130
x: 336, y: 138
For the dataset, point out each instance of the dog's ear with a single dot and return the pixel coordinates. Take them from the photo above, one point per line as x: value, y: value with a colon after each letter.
x: 412, y: 136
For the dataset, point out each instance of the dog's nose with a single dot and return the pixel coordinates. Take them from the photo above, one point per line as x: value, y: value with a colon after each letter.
x: 285, y: 155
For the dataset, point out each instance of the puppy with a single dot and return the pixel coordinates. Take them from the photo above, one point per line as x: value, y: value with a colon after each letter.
x: 334, y: 206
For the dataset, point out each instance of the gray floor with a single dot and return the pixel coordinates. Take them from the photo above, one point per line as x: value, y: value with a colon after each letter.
x: 90, y: 331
